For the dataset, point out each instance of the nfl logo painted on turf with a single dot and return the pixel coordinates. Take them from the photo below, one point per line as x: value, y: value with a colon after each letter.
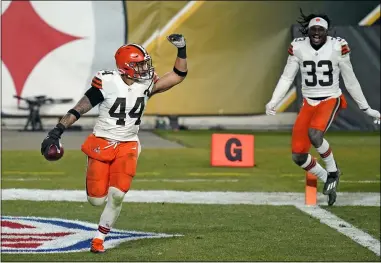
x: 55, y: 235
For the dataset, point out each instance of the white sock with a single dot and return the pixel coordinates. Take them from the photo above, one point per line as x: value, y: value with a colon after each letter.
x: 326, y: 154
x: 315, y: 168
x: 102, y: 232
x: 111, y: 212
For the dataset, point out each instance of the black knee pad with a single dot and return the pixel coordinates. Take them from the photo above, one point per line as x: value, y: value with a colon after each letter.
x: 316, y: 137
x: 299, y: 158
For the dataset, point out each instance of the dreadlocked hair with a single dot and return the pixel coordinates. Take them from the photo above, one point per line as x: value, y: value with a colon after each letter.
x: 305, y: 20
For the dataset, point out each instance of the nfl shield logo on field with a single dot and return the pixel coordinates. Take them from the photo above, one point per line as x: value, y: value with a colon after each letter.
x: 55, y: 235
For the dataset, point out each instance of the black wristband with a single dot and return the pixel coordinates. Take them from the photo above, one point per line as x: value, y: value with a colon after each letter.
x: 180, y: 73
x: 182, y: 52
x: 75, y: 113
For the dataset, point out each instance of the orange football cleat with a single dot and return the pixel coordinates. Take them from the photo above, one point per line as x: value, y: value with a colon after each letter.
x: 97, y: 246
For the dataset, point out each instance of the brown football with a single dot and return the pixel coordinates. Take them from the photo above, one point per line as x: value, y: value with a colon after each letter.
x: 52, y: 153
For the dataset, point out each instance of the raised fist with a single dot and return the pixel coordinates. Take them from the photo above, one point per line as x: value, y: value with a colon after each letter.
x: 177, y: 39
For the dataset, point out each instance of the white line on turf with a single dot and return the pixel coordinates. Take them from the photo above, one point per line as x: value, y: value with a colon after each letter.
x: 345, y: 228
x: 196, y: 197
x: 253, y: 198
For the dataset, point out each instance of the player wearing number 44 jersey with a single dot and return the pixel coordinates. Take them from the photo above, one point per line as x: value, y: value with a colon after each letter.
x: 320, y: 58
x: 113, y: 147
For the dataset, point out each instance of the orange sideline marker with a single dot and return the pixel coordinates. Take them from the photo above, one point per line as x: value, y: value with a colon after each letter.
x: 232, y: 150
x: 311, y: 189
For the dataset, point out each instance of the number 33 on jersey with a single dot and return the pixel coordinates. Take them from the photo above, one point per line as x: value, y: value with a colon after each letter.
x: 123, y: 106
x: 319, y: 68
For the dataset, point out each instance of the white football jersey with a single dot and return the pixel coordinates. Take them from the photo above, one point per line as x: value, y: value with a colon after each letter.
x: 319, y: 69
x: 123, y: 106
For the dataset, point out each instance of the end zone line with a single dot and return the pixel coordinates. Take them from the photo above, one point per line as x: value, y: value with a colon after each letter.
x: 343, y: 227
x: 196, y: 197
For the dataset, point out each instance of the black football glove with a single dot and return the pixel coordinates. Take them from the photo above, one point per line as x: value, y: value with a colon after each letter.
x: 177, y: 40
x: 53, y: 137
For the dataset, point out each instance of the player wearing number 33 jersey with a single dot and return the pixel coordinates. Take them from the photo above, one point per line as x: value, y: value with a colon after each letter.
x: 113, y: 147
x: 321, y: 59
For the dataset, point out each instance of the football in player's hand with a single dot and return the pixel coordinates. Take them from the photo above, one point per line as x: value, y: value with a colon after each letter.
x: 52, y: 153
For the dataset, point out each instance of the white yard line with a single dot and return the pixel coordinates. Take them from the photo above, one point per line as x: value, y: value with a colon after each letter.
x: 252, y: 198
x: 195, y: 197
x: 360, y: 237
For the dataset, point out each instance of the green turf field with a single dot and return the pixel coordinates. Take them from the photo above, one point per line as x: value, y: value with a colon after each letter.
x: 358, y: 156
x: 210, y: 232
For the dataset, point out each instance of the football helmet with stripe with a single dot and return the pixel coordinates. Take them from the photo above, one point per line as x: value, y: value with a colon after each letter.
x: 134, y: 61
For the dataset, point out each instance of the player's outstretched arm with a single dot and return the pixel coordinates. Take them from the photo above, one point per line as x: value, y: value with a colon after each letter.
x: 354, y: 88
x: 284, y: 83
x: 92, y: 97
x: 83, y: 106
x: 180, y: 69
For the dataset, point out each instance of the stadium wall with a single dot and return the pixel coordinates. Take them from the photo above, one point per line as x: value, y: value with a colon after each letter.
x: 236, y: 49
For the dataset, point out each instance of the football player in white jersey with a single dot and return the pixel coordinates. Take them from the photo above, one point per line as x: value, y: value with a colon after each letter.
x: 320, y: 58
x: 113, y: 147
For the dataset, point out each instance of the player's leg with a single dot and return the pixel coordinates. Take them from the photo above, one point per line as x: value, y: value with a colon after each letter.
x: 122, y: 170
x: 97, y: 181
x: 301, y: 143
x: 108, y: 218
x: 320, y: 123
x: 326, y: 154
x: 323, y: 148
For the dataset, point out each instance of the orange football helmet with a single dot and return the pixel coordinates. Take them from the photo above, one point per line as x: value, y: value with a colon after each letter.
x: 134, y: 61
